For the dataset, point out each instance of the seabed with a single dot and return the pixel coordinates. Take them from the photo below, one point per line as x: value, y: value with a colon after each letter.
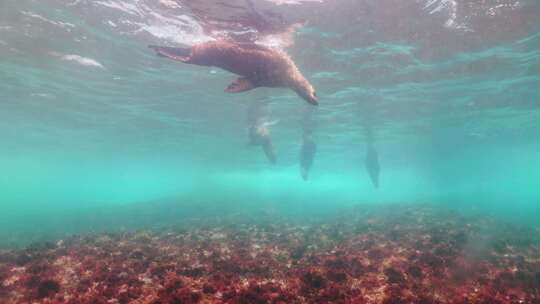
x: 403, y: 254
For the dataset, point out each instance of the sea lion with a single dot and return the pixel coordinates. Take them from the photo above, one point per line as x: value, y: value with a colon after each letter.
x: 372, y: 165
x: 269, y: 150
x: 307, y: 154
x: 259, y: 135
x: 259, y: 129
x: 258, y: 66
x: 309, y: 147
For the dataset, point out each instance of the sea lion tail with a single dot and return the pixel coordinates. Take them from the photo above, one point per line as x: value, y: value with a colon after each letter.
x: 179, y: 54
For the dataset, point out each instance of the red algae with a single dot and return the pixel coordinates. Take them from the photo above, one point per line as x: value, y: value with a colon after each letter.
x: 314, y: 280
x: 407, y: 255
x: 47, y: 289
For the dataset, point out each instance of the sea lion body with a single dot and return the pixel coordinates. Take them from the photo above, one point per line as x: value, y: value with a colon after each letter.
x: 249, y: 60
x: 372, y: 165
x: 257, y: 65
x: 259, y: 135
x: 307, y: 154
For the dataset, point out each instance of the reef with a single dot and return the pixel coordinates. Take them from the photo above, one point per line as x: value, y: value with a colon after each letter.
x: 406, y: 254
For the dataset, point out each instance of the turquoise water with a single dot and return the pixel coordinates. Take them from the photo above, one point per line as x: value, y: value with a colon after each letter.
x: 128, y: 178
x: 92, y: 123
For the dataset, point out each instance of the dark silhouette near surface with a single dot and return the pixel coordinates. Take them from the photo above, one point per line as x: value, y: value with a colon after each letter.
x: 309, y: 147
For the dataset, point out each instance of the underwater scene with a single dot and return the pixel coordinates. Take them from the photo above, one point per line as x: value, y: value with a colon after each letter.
x: 269, y: 151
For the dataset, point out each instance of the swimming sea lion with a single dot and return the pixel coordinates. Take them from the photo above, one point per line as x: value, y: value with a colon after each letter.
x: 259, y: 135
x: 372, y: 165
x: 307, y: 154
x: 257, y: 65
x: 269, y: 150
x: 309, y: 147
x: 259, y: 129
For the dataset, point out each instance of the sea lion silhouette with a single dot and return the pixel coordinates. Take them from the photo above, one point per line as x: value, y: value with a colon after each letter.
x: 258, y: 66
x: 259, y: 135
x: 372, y: 165
x: 309, y: 147
x: 307, y: 154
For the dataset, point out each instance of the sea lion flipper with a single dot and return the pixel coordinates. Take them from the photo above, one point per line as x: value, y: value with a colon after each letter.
x: 241, y: 84
x: 178, y: 54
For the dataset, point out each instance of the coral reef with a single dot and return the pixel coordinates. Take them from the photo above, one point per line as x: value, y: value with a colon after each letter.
x: 410, y: 254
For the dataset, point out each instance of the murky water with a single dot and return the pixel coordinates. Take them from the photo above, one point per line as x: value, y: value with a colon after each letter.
x: 436, y: 102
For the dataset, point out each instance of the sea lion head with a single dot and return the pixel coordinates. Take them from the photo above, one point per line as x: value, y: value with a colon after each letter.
x: 305, y: 90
